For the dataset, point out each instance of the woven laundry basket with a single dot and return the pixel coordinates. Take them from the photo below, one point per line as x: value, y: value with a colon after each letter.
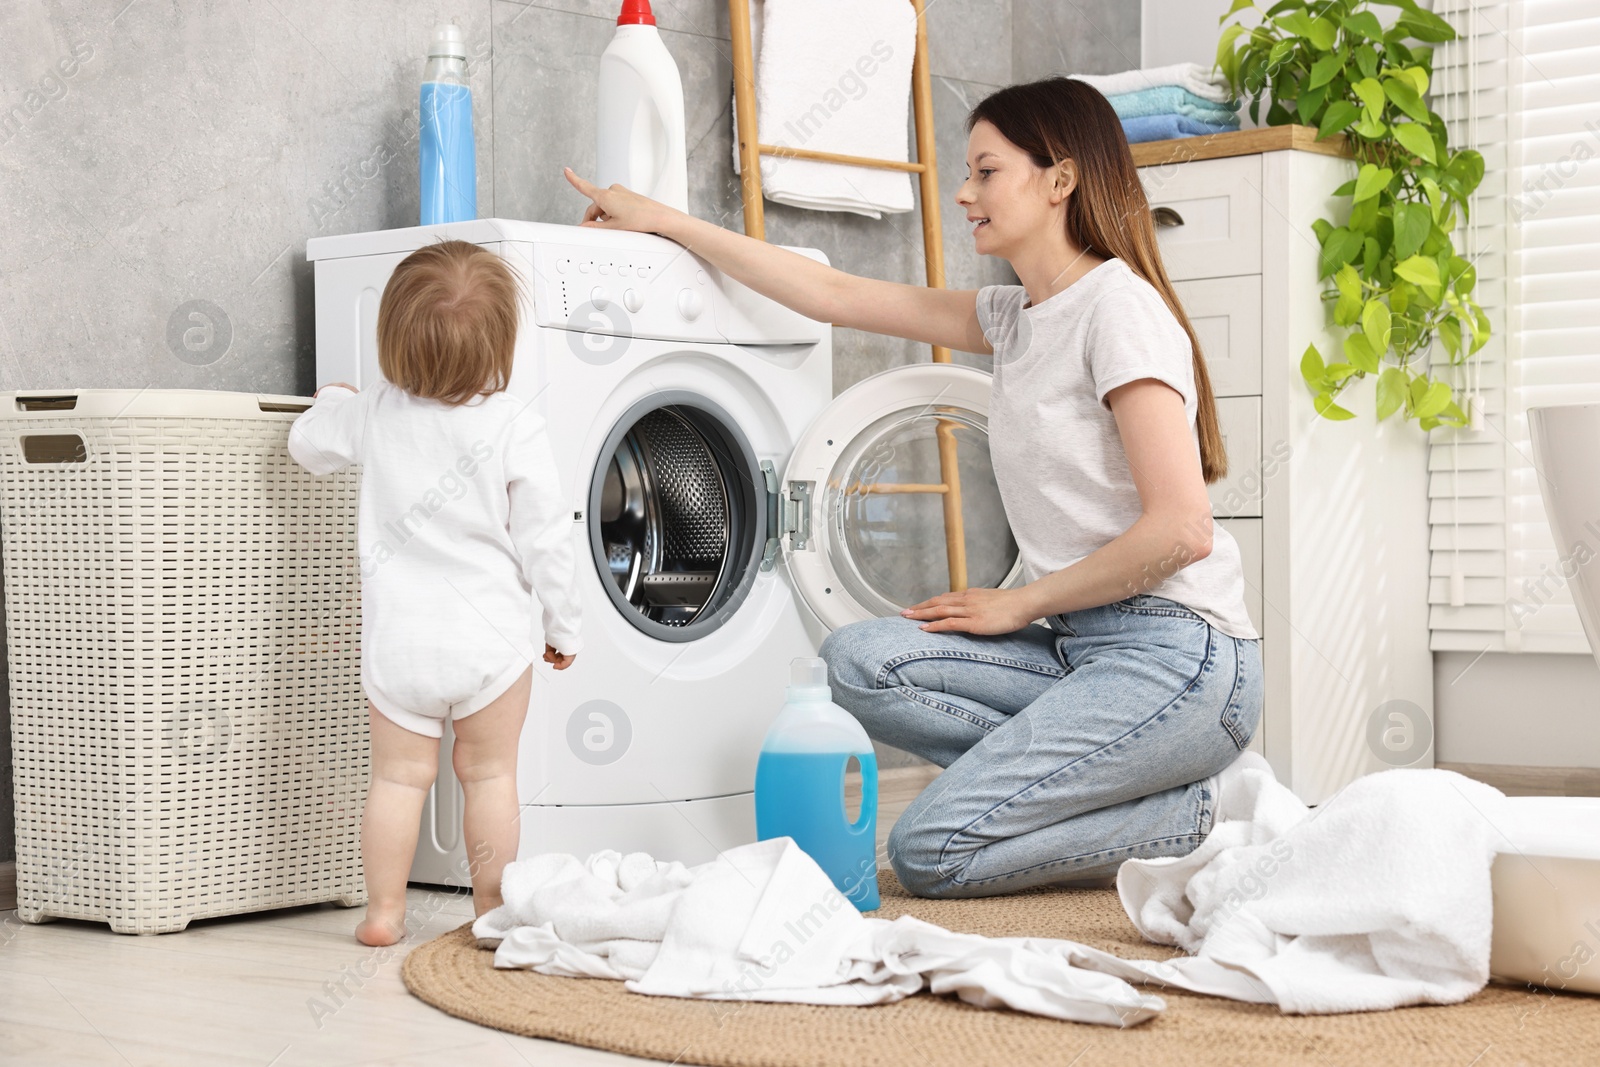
x: 189, y: 733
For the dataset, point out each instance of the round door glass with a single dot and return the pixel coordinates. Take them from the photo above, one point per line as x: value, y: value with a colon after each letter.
x: 913, y: 510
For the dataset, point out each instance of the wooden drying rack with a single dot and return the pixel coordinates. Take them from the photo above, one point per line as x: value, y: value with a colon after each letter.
x: 926, y: 169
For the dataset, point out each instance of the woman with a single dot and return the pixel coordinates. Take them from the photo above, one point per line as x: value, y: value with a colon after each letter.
x: 1100, y: 737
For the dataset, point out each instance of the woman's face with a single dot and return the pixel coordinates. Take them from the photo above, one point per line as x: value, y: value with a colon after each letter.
x: 1006, y: 196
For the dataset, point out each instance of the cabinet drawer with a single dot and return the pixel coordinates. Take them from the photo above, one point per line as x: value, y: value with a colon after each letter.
x: 1211, y: 227
x: 1226, y: 315
x: 1248, y: 533
x: 1239, y: 494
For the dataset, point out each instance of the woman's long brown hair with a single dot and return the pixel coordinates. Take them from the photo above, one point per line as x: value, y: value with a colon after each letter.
x: 1059, y: 119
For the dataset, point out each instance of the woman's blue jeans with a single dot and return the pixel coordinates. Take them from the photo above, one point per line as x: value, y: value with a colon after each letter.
x: 1066, y: 750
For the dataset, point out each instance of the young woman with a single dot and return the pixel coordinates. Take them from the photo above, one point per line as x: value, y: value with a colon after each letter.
x: 1099, y: 737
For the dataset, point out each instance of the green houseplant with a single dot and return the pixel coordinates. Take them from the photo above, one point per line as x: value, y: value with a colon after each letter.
x: 1397, y: 280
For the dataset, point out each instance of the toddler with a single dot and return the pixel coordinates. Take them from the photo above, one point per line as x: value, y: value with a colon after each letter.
x: 461, y: 520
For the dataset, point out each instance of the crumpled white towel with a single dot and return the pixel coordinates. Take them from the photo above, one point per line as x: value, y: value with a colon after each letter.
x: 1378, y: 899
x: 1204, y: 82
x: 833, y: 76
x: 763, y: 922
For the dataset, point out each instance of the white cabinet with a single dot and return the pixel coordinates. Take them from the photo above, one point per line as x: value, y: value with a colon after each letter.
x: 1330, y: 517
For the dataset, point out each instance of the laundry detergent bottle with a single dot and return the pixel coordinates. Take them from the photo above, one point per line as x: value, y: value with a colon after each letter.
x: 640, y: 140
x: 800, y: 784
x: 449, y: 163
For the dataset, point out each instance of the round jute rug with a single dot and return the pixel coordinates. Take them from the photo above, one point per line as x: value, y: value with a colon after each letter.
x: 1503, y: 1025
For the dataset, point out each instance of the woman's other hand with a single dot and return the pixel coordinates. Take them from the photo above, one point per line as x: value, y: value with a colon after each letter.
x: 346, y: 385
x: 557, y: 659
x: 975, y: 611
x: 620, y: 208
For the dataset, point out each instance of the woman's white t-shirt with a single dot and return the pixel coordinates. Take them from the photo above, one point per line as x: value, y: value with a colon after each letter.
x: 1058, y: 458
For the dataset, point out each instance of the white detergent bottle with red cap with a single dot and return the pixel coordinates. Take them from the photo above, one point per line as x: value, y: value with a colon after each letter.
x: 640, y: 138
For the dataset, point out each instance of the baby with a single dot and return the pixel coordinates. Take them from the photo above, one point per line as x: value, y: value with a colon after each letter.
x: 461, y: 520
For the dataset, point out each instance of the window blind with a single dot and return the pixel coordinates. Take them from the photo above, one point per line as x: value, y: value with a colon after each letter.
x: 1518, y: 85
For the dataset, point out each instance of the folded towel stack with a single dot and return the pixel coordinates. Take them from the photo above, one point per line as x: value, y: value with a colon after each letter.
x: 1182, y: 100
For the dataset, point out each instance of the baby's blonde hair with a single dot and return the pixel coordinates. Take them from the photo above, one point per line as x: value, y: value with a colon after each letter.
x: 447, y: 324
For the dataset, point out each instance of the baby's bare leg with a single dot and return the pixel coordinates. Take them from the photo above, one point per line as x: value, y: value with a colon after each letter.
x: 485, y: 760
x: 404, y: 765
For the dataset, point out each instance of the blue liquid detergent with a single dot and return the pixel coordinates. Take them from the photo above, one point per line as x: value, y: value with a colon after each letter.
x: 801, y: 795
x: 449, y: 165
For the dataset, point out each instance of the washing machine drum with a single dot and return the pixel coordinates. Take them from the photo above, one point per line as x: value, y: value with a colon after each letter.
x: 676, y: 518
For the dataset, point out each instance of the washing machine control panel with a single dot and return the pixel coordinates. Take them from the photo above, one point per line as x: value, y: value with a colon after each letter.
x: 666, y: 294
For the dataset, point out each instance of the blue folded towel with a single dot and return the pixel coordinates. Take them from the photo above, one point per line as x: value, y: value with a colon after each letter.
x: 1171, y: 100
x: 1165, y: 127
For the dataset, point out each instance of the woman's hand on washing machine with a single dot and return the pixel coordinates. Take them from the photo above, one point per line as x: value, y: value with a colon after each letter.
x: 559, y: 660
x: 975, y: 611
x: 345, y: 385
x: 619, y: 208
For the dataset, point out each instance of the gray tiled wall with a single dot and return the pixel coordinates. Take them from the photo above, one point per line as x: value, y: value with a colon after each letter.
x: 159, y: 152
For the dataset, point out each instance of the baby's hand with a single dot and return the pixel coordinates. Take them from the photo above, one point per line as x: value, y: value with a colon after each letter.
x: 318, y: 393
x: 559, y: 660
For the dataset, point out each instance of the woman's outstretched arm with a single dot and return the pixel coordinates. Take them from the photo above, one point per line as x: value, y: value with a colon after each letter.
x: 936, y: 316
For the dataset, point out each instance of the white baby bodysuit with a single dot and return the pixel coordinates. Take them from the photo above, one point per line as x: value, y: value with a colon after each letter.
x: 462, y: 520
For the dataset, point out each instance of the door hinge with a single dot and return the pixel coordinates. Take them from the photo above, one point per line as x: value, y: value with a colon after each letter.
x: 787, y: 514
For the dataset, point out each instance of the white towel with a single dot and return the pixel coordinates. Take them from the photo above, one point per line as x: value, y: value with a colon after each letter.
x: 1378, y: 899
x: 1205, y: 82
x: 763, y: 922
x: 833, y: 76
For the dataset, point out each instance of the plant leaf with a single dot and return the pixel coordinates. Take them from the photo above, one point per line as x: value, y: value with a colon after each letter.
x: 1311, y: 368
x: 1238, y: 5
x: 1323, y: 70
x: 1340, y: 114
x: 1371, y: 180
x: 1322, y: 33
x: 1391, y: 392
x: 1411, y: 225
x: 1416, y: 139
x: 1419, y: 270
x: 1404, y: 97
x: 1329, y: 410
x: 1340, y: 248
x: 1364, y: 23
x: 1360, y: 353
x: 1375, y: 324
x: 1348, y: 281
x: 1370, y: 90
x: 1434, y: 400
x: 1450, y: 334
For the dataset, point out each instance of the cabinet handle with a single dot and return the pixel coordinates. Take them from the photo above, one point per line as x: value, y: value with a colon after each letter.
x: 1166, y: 216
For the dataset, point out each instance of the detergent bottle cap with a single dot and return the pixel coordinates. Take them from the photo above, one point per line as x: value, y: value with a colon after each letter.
x: 636, y: 13
x: 808, y: 678
x: 448, y: 42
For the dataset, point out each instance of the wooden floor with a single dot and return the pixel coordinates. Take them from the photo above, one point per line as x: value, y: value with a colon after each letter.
x: 262, y: 990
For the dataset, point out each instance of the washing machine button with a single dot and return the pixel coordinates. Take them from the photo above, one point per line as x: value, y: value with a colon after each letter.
x: 562, y: 265
x: 583, y: 268
x: 597, y: 297
x: 623, y: 269
x: 632, y: 301
x: 700, y: 276
x: 605, y: 268
x: 689, y: 304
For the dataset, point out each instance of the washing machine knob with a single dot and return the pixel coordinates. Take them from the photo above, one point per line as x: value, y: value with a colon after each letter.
x: 632, y: 301
x: 690, y: 304
x: 597, y: 297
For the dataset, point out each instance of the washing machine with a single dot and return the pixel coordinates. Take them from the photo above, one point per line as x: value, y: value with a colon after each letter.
x: 727, y: 512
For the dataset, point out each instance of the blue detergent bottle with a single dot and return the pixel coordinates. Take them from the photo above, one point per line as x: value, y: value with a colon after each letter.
x: 449, y: 161
x: 800, y: 784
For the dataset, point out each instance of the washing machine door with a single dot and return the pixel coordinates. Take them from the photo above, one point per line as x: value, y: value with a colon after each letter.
x: 889, y: 497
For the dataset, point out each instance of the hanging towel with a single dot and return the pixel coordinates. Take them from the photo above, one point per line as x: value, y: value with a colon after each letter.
x: 1378, y: 899
x: 1172, y: 100
x: 1166, y: 127
x: 833, y: 76
x: 1201, y: 81
x: 763, y: 922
